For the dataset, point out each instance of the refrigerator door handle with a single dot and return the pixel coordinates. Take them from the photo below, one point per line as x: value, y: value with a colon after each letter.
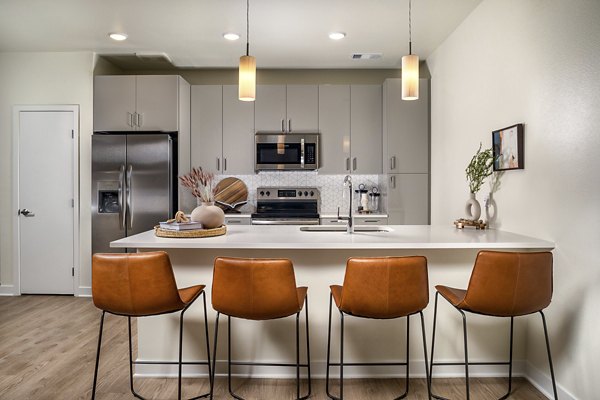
x: 121, y: 197
x: 129, y: 190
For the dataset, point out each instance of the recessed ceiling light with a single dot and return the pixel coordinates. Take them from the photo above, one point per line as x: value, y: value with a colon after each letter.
x: 337, y: 35
x: 231, y: 36
x: 119, y: 37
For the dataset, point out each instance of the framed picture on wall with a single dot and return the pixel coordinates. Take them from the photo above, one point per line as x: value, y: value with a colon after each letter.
x: 507, y: 144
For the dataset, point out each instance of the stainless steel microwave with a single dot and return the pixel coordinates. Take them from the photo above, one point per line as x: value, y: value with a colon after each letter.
x: 286, y: 151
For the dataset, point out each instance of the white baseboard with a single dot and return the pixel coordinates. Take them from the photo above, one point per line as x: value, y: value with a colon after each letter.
x: 7, y: 290
x: 542, y: 382
x: 417, y: 370
x: 85, y: 291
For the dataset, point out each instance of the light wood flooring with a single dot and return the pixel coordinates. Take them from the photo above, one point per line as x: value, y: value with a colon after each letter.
x: 48, y: 348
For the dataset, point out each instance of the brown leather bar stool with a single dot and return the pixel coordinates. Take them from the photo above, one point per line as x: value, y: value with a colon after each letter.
x: 258, y: 289
x: 140, y: 285
x: 502, y: 284
x: 380, y: 288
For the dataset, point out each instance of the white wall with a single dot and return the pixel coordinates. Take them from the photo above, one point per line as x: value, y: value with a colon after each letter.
x: 44, y: 78
x: 536, y: 62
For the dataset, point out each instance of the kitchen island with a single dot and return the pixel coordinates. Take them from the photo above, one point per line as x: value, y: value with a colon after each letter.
x: 319, y: 260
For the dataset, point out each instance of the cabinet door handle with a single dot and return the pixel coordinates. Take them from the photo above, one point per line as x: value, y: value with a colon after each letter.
x: 130, y: 119
x: 393, y: 162
x: 290, y: 125
x: 354, y: 164
x: 393, y: 181
x: 283, y: 125
x: 140, y: 121
x: 347, y: 163
x: 218, y: 164
x: 224, y: 164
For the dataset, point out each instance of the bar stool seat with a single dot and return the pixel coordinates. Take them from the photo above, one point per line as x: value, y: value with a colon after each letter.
x: 380, y: 288
x: 140, y: 285
x: 259, y: 289
x: 502, y: 284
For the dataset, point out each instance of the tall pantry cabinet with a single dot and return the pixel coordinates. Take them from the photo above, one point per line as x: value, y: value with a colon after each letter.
x: 406, y: 153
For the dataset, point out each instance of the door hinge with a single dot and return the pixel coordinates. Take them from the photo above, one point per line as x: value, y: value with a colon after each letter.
x: 72, y: 133
x: 72, y: 271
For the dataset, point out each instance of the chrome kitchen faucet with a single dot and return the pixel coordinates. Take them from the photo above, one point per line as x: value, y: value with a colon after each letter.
x: 349, y: 218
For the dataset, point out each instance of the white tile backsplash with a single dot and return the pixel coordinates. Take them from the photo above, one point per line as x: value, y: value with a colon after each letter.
x: 333, y: 193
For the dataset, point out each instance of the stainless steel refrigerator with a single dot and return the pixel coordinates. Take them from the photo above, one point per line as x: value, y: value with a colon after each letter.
x: 133, y: 177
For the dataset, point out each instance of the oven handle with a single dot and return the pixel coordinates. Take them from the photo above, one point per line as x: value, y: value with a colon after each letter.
x: 302, y: 153
x: 287, y: 222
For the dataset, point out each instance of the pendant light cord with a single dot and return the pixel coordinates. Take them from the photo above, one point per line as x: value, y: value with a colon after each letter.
x: 247, y: 27
x: 410, y: 27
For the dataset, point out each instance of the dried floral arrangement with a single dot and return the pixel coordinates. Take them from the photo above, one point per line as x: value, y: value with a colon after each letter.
x: 479, y: 168
x: 200, y: 183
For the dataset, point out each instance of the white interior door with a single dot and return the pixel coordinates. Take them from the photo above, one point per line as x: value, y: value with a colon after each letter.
x: 45, y: 201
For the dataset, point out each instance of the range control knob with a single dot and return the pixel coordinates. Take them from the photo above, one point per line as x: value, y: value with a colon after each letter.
x: 299, y: 193
x: 305, y: 193
x: 268, y: 193
x: 312, y: 193
x: 262, y: 192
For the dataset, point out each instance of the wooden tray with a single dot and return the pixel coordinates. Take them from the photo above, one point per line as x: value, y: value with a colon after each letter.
x: 230, y: 191
x: 192, y: 233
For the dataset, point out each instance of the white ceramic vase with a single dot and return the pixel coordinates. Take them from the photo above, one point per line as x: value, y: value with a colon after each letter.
x: 490, y: 209
x: 473, y: 208
x: 209, y: 215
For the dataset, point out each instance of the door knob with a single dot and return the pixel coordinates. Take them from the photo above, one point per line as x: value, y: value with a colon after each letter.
x: 26, y: 213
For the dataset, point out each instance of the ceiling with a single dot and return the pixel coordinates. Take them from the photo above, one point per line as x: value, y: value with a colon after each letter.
x: 283, y: 33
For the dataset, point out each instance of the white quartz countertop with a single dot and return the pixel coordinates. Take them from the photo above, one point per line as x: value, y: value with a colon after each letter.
x: 290, y: 237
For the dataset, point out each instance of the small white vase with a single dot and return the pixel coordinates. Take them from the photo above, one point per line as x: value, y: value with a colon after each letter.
x: 490, y: 209
x: 473, y: 208
x: 209, y: 215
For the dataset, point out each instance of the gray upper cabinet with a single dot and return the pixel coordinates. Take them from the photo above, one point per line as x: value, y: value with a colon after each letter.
x: 366, y: 129
x: 288, y: 108
x: 334, y: 125
x: 406, y: 129
x: 207, y: 127
x: 238, y: 133
x: 136, y: 103
x: 351, y: 129
x: 222, y: 130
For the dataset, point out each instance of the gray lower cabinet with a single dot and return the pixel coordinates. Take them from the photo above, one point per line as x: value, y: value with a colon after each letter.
x: 136, y: 103
x: 222, y: 129
x: 233, y: 219
x: 358, y: 220
x: 408, y: 199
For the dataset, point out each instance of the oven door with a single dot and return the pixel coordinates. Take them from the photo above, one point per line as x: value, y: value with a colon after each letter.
x: 284, y: 152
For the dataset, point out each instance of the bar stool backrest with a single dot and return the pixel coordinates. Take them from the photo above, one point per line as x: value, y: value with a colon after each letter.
x: 385, y: 287
x: 508, y: 284
x: 254, y: 288
x: 135, y: 284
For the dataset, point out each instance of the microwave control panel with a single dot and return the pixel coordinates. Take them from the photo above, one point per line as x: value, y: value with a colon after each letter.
x: 310, y: 154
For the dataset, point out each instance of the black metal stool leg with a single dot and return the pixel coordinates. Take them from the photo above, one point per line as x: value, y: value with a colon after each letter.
x: 510, y: 361
x: 307, y: 347
x: 342, y: 356
x: 298, y: 355
x: 212, y: 378
x: 135, y: 394
x: 406, y: 386
x: 329, y: 350
x: 98, y: 355
x: 466, y: 353
x: 229, y: 360
x: 180, y: 354
x: 431, y: 363
x: 428, y: 380
x: 549, y: 356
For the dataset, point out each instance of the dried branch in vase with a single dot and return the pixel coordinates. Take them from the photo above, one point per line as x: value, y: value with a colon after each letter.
x: 200, y: 183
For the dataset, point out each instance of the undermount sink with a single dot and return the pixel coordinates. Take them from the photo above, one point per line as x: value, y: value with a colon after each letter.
x: 343, y: 228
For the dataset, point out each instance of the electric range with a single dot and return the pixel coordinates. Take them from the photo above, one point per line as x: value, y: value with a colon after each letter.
x: 287, y: 206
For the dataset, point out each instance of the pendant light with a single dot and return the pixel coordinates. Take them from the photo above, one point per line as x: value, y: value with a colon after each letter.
x: 410, y: 66
x: 247, y: 79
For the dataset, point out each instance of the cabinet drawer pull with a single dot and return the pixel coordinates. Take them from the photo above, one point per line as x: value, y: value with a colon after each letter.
x: 393, y: 181
x: 234, y: 221
x: 393, y: 162
x: 375, y: 221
